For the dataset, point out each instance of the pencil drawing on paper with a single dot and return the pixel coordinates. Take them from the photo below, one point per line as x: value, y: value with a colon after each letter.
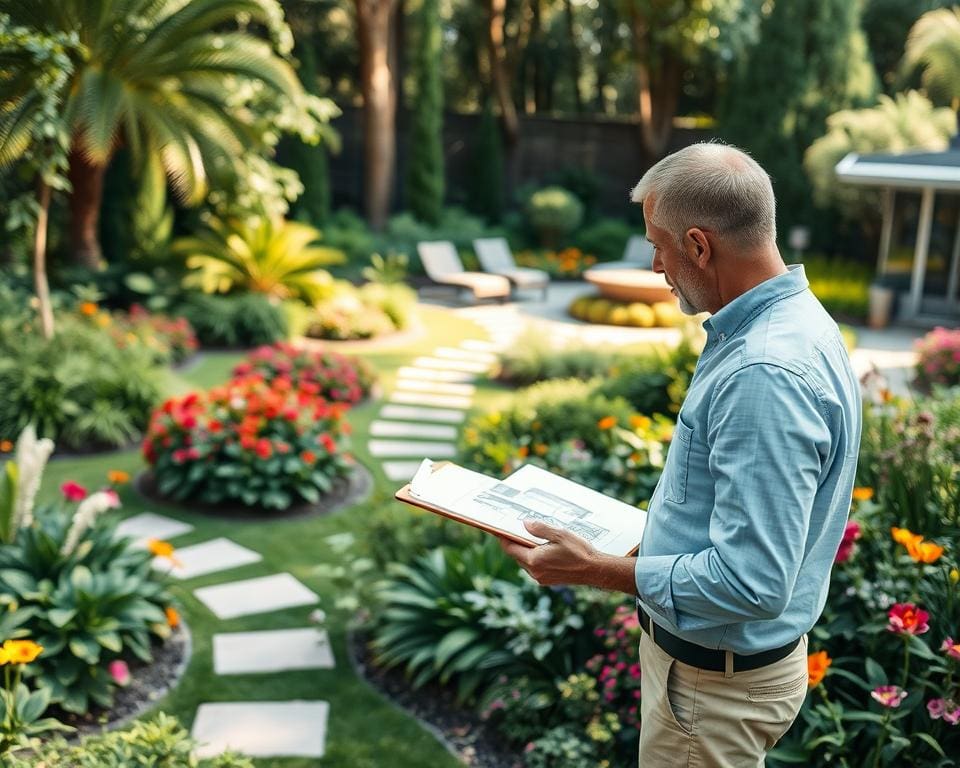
x: 538, y: 504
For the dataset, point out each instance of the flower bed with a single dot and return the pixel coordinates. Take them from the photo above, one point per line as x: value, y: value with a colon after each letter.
x: 938, y: 359
x: 329, y: 375
x: 166, y: 339
x: 594, y: 309
x: 263, y: 444
x: 567, y: 264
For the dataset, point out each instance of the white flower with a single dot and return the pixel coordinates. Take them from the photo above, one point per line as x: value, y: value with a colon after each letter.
x: 317, y: 616
x: 31, y: 458
x: 86, y: 513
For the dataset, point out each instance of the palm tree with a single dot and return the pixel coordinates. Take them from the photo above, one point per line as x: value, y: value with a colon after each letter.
x: 933, y: 46
x: 160, y: 76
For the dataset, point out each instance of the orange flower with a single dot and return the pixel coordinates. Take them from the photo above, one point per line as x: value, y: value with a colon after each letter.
x: 905, y: 536
x: 862, y: 494
x: 88, y: 308
x: 523, y: 451
x: 20, y: 651
x: 160, y: 548
x: 607, y: 422
x: 640, y: 422
x: 118, y: 477
x: 5, y: 446
x: 817, y: 664
x: 924, y: 551
x: 540, y: 449
x: 173, y: 618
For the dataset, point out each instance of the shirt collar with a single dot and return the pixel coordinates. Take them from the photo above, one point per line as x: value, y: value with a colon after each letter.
x: 731, y: 317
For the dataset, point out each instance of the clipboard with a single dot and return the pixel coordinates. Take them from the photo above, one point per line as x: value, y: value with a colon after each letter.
x: 574, y: 497
x: 404, y: 495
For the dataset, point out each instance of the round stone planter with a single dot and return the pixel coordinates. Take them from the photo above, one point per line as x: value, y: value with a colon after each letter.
x: 630, y: 285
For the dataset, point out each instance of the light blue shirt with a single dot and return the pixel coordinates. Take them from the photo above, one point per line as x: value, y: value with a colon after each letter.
x: 745, y: 521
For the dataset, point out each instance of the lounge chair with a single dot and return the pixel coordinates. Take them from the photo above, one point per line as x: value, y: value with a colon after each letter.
x: 442, y: 264
x: 495, y: 257
x: 638, y: 254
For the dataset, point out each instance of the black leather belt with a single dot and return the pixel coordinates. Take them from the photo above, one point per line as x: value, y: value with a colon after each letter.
x: 711, y: 658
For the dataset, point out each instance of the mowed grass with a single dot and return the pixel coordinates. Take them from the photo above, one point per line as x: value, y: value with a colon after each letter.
x: 364, y: 729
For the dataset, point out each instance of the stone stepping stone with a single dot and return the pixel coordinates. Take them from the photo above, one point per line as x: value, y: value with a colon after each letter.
x: 417, y: 448
x: 240, y: 653
x: 425, y: 398
x: 452, y: 353
x: 262, y: 728
x: 475, y: 345
x: 207, y: 557
x: 412, y: 429
x: 400, y: 470
x: 440, y: 387
x: 148, y: 525
x: 444, y: 415
x: 434, y: 374
x: 466, y: 366
x: 266, y: 593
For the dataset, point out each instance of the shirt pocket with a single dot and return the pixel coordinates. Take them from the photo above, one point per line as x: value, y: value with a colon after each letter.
x: 678, y: 461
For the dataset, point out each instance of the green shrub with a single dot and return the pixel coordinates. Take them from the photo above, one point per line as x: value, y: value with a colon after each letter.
x: 160, y: 742
x: 564, y: 426
x: 403, y: 232
x: 606, y: 238
x: 268, y: 445
x: 372, y: 310
x: 843, y: 287
x: 78, y: 388
x: 244, y: 320
x: 88, y: 597
x: 553, y: 213
x: 349, y: 233
x: 535, y: 358
x: 467, y: 615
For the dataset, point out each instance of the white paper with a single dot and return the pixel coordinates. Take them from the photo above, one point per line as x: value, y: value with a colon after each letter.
x: 532, y: 493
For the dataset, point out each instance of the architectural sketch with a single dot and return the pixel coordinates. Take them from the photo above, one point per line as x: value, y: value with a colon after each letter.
x: 537, y: 504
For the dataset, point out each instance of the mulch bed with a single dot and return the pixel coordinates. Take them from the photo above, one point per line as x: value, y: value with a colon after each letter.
x: 148, y: 684
x: 346, y: 491
x: 460, y: 730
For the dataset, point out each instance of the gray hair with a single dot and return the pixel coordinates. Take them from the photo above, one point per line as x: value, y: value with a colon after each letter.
x: 713, y: 186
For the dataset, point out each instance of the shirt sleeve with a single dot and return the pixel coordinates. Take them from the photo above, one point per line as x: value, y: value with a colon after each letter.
x: 768, y: 442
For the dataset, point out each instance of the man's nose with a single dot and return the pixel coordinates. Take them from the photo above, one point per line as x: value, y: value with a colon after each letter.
x: 657, y: 263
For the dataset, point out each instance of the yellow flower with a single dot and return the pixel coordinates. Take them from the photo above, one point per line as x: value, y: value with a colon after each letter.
x: 4, y: 656
x: 954, y: 575
x: 862, y: 494
x: 494, y: 418
x: 160, y: 548
x: 639, y: 422
x: 924, y: 551
x: 21, y: 651
x: 607, y: 422
x: 118, y: 477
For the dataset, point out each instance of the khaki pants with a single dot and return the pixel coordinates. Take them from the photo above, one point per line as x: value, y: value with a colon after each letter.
x: 694, y: 718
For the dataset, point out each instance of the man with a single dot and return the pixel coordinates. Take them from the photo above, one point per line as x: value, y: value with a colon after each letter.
x: 745, y: 522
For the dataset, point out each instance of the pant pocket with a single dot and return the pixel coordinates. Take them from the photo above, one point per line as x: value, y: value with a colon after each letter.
x: 681, y: 696
x: 778, y: 691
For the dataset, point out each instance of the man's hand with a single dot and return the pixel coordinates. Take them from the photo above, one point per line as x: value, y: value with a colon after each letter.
x: 566, y: 558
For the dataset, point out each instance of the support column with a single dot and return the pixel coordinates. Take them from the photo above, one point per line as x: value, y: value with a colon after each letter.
x: 886, y: 230
x: 921, y: 250
x: 954, y: 277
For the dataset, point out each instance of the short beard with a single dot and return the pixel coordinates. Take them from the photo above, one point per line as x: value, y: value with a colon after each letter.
x: 689, y: 289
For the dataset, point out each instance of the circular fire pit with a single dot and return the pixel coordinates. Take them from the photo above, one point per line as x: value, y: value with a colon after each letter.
x: 630, y: 285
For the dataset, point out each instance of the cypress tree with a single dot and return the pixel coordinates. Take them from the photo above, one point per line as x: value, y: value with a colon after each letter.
x: 425, y: 182
x: 810, y: 61
x: 486, y: 181
x: 309, y: 160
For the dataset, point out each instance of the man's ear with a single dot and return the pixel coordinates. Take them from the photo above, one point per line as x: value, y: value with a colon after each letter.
x: 698, y: 247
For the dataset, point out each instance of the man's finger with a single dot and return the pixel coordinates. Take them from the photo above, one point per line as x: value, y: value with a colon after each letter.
x: 543, y: 531
x: 518, y: 552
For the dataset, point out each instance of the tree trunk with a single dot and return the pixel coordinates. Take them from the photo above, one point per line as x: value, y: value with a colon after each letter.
x: 658, y: 96
x: 499, y: 72
x: 574, y: 57
x: 40, y: 260
x: 379, y: 107
x: 86, y: 180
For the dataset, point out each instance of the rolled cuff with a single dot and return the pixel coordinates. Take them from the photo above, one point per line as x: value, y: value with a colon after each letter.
x: 654, y: 577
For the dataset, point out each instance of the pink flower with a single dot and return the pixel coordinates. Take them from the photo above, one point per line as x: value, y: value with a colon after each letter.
x: 120, y: 672
x: 944, y: 708
x: 936, y: 708
x: 889, y: 695
x: 907, y: 619
x: 113, y: 498
x: 850, y: 534
x: 951, y: 648
x: 73, y: 491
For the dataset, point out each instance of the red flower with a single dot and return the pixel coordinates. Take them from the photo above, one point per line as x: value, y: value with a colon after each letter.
x: 907, y: 619
x: 328, y: 443
x: 215, y: 426
x: 850, y: 534
x: 247, y: 442
x: 308, y: 457
x: 264, y: 449
x: 73, y: 491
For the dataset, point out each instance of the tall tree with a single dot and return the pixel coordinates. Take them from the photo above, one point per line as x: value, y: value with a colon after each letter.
x: 154, y: 76
x: 425, y: 180
x: 374, y: 27
x: 809, y: 62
